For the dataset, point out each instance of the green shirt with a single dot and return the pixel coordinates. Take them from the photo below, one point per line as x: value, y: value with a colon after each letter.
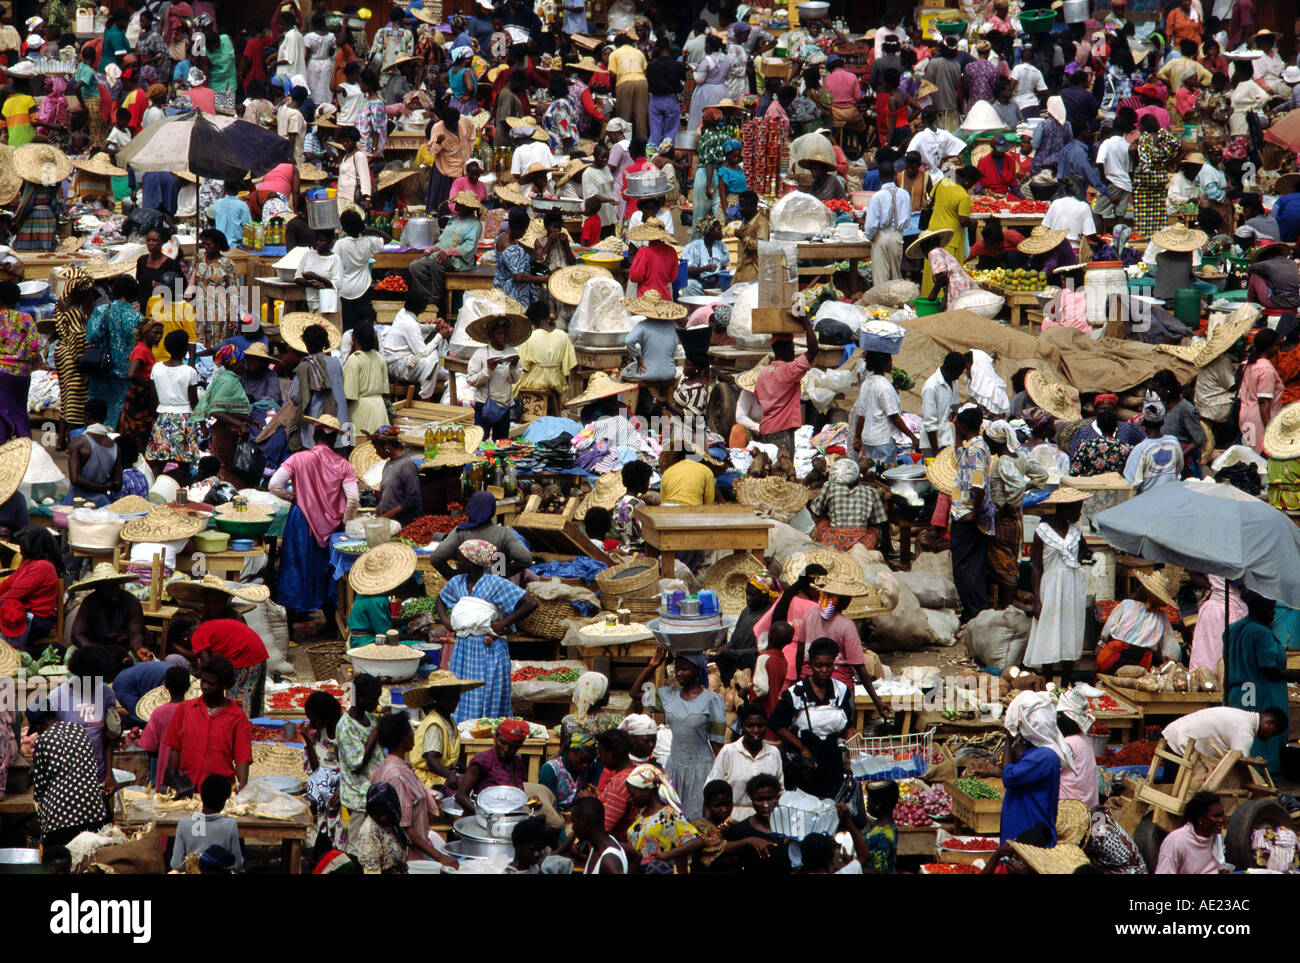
x: 115, y: 47
x: 368, y: 620
x: 89, y: 81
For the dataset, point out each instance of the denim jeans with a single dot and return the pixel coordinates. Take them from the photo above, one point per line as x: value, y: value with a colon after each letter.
x: 665, y: 117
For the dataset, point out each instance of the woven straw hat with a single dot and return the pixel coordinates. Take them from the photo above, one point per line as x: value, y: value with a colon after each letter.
x: 1222, y: 337
x: 1072, y: 821
x: 154, y: 698
x: 729, y: 578
x: 1179, y: 237
x: 101, y: 268
x: 748, y: 380
x: 388, y: 178
x: 599, y: 385
x: 608, y: 489
x: 829, y: 559
x: 517, y: 328
x: 1282, y: 436
x: 328, y: 422
x: 979, y: 152
x: 10, y: 660
x: 1158, y: 585
x: 511, y: 194
x: 575, y: 167
x: 942, y: 471
x: 839, y: 584
x: 10, y: 182
x: 382, y: 569
x: 258, y: 349
x: 363, y: 458
x: 102, y: 574
x: 1065, y: 495
x: 537, y: 169
x: 15, y: 455
x: 41, y: 164
x: 584, y: 63
x: 244, y: 597
x: 310, y: 172
x: 451, y: 455
x: 467, y: 198
x: 293, y: 324
x: 536, y: 231
x: 100, y: 165
x: 422, y: 696
x: 1041, y: 240
x: 514, y: 123
x: 917, y: 249
x: 567, y: 284
x: 1061, y: 860
x: 1052, y: 396
x: 162, y: 525
x: 783, y: 496
x: 508, y: 304
x: 652, y: 305
x: 648, y: 231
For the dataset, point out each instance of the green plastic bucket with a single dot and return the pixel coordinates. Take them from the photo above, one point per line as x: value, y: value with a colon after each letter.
x: 1187, y: 306
x: 1237, y: 294
x: 954, y: 27
x: 1037, y: 21
x: 925, y: 306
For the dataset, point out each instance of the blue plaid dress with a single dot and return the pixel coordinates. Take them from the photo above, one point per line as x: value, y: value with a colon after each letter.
x: 473, y: 658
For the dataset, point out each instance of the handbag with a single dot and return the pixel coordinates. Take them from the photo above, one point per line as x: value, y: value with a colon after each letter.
x: 494, y: 412
x: 799, y: 769
x: 96, y: 360
x: 249, y: 460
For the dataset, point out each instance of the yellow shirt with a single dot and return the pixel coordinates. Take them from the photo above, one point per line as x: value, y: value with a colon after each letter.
x: 687, y: 483
x: 546, y: 359
x: 627, y: 63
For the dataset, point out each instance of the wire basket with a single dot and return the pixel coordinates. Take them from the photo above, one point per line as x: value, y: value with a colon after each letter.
x: 891, y: 758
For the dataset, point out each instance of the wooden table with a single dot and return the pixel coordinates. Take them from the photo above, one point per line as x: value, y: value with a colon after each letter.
x: 535, y: 751
x: 40, y: 266
x: 412, y: 417
x: 1127, y: 722
x: 289, y: 833
x: 227, y: 564
x: 477, y: 278
x: 673, y: 529
x: 1161, y: 703
x: 852, y: 251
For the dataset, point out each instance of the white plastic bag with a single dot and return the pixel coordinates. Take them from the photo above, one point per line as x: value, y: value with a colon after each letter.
x: 824, y: 387
x: 271, y: 802
x: 800, y: 213
x: 848, y: 314
x: 599, y: 311
x: 741, y: 324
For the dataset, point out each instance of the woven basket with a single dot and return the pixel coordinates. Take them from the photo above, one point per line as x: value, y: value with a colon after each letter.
x: 276, y: 759
x: 550, y: 620
x: 777, y: 497
x: 327, y: 661
x: 611, y: 602
x: 642, y: 582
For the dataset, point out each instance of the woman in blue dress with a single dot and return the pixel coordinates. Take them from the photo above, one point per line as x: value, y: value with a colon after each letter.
x: 114, y: 326
x: 478, y: 607
x: 710, y: 80
x: 1255, y: 672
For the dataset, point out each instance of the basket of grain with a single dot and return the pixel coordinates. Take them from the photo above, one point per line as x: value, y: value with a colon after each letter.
x: 388, y: 663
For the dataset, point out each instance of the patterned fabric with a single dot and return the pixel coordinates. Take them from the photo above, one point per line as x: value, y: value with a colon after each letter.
x: 625, y: 527
x: 981, y: 75
x: 1111, y: 848
x: 1151, y: 179
x: 214, y: 324
x: 377, y: 848
x: 350, y: 741
x: 113, y: 325
x: 666, y: 829
x: 65, y: 781
x: 372, y: 125
x: 322, y: 786
x: 498, y: 773
x: 973, y: 462
x: 844, y: 538
x: 1096, y: 456
x: 882, y: 841
x: 19, y: 343
x: 859, y: 506
x: 711, y: 141
x: 764, y: 152
x: 482, y: 657
x: 561, y: 124
x: 389, y: 44
x: 38, y: 215
x: 174, y: 438
x: 515, y: 260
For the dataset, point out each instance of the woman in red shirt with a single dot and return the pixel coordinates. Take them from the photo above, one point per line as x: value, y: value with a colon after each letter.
x: 655, y: 265
x: 614, y: 748
x: 209, y: 735
x: 36, y: 582
x: 140, y: 409
x: 1000, y: 170
x: 246, y: 652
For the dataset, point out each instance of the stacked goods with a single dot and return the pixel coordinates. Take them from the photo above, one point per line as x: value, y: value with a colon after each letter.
x: 1131, y: 754
x: 910, y: 813
x: 1170, y: 677
x: 294, y: 698
x: 973, y: 845
x: 632, y: 585
x: 993, y: 204
x: 977, y: 789
x: 393, y: 284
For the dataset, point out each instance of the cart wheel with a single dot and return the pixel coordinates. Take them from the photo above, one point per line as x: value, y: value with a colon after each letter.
x: 1245, y: 819
x: 1148, y: 837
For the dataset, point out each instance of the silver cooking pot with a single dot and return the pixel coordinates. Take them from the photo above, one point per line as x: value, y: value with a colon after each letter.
x: 420, y: 232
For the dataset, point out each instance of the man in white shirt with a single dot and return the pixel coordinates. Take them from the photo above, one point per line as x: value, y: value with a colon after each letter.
x: 291, y: 59
x: 740, y: 761
x: 532, y: 150
x: 355, y: 249
x: 939, y: 400
x: 876, y: 414
x: 1116, y: 163
x: 934, y: 144
x: 350, y: 96
x: 290, y: 123
x: 888, y: 212
x: 892, y: 19
x: 408, y: 356
x: 1220, y: 729
x: 1071, y: 215
x: 1030, y: 86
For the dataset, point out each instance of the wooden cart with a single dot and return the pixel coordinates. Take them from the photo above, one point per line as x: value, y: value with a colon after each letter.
x: 1161, y: 703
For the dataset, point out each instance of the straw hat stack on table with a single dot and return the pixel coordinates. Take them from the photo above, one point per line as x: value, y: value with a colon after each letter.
x: 599, y: 385
x: 729, y: 578
x: 244, y: 597
x: 773, y: 496
x: 293, y: 324
x: 1052, y: 396
x: 452, y: 455
x: 605, y: 493
x: 162, y: 524
x: 566, y: 285
x: 382, y: 569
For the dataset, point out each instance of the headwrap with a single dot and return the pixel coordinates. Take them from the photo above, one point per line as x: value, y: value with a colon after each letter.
x: 827, y: 605
x: 582, y: 740
x: 1000, y: 431
x: 1032, y: 715
x: 227, y: 355
x: 1037, y: 419
x: 766, y: 583
x: 1106, y: 399
x: 845, y: 471
x: 382, y: 798
x: 113, y: 74
x: 712, y: 116
x: 196, y: 77
x: 729, y: 145
x: 155, y: 90
x: 1153, y: 411
x: 1074, y: 706
x: 75, y: 279
x: 386, y: 433
x: 638, y: 724
x: 479, y: 509
x: 646, y: 776
x: 98, y: 428
x: 149, y: 76
x: 587, y: 691
x: 478, y: 551
x: 700, y: 661
x: 706, y: 223
x: 514, y: 731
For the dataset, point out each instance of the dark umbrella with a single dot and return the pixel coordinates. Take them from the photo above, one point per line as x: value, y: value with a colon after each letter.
x: 221, y: 148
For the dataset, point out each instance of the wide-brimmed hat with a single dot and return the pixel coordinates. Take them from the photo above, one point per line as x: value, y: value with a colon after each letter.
x: 942, y: 471
x: 609, y: 488
x: 1041, y: 240
x: 1269, y: 249
x: 243, y: 597
x: 774, y: 494
x: 1282, y: 436
x: 748, y: 380
x: 536, y: 168
x: 440, y: 679
x: 293, y: 324
x: 388, y: 178
x: 100, y: 165
x: 327, y: 421
x: 726, y: 103
x: 10, y: 182
x: 567, y: 284
x: 402, y: 61
x: 829, y: 559
x: 310, y: 172
x: 1227, y: 333
x: 1050, y: 395
x: 452, y: 455
x: 927, y: 239
x: 424, y: 15
x: 1158, y: 585
x: 652, y: 304
x: 148, y: 703
x: 259, y: 349
x: 729, y: 578
x: 382, y: 569
x: 511, y: 194
x: 820, y: 152
x: 585, y: 63
x: 162, y: 525
x: 101, y: 268
x: 517, y: 328
x: 1179, y: 237
x: 648, y: 231
x: 572, y: 169
x: 504, y: 301
x: 102, y: 574
x: 467, y: 198
x: 599, y: 385
x: 839, y: 584
x: 1061, y: 860
x: 1064, y: 495
x: 15, y: 455
x: 41, y: 164
x: 1072, y: 821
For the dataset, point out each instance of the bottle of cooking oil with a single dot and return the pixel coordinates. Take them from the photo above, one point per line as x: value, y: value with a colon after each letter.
x: 430, y: 442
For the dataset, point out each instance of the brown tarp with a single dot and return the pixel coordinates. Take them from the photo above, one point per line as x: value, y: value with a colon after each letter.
x: 1068, y: 355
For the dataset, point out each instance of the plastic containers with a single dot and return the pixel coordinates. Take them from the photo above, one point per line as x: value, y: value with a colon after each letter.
x: 927, y: 306
x: 1187, y: 306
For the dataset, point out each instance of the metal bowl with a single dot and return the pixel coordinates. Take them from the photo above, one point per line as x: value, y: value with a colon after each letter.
x: 420, y: 232
x: 561, y: 204
x: 464, y: 849
x: 500, y: 801
x: 812, y: 10
x: 687, y: 140
x: 602, y: 339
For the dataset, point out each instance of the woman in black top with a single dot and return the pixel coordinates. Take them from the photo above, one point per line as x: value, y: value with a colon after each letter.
x: 767, y: 852
x: 151, y: 266
x: 811, y: 718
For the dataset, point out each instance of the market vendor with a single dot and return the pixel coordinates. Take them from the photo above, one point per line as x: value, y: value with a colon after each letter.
x: 1011, y: 474
x: 949, y: 279
x: 1177, y: 246
x: 437, y: 740
x: 415, y: 803
x: 209, y: 735
x: 1137, y: 630
x: 848, y: 512
x: 456, y: 249
x: 375, y: 575
x: 235, y: 641
x: 480, y: 523
x: 1255, y: 671
x: 1105, y: 426
x: 94, y: 465
x: 1034, y: 759
x: 108, y: 615
x: 1196, y: 847
x: 652, y: 344
x: 493, y: 369
x: 1048, y: 249
x: 778, y: 388
x: 1218, y: 730
x: 399, y: 486
x: 998, y: 247
x: 754, y: 227
x: 500, y: 765
x: 568, y: 774
x: 1274, y: 279
x: 812, y: 717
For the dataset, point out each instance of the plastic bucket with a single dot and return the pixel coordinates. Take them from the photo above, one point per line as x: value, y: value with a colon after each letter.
x: 1037, y: 21
x: 1187, y: 306
x: 927, y: 306
x: 724, y: 279
x: 953, y: 27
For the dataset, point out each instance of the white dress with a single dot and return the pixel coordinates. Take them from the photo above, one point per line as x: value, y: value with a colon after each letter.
x: 1057, y: 634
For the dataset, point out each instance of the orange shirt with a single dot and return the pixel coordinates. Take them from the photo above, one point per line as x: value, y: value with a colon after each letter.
x: 1179, y: 26
x: 1288, y: 369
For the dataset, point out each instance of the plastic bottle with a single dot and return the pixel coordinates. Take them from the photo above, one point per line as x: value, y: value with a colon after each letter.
x: 509, y: 479
x: 430, y: 443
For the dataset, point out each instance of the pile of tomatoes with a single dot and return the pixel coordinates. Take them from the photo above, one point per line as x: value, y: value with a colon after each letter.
x: 839, y: 205
x: 294, y: 698
x: 393, y: 284
x: 992, y: 204
x: 971, y: 845
x: 1104, y: 703
x: 949, y: 869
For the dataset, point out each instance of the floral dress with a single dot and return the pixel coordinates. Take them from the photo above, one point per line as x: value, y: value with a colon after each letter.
x: 561, y: 124
x: 215, y: 321
x: 1096, y: 456
x: 625, y: 527
x: 665, y: 830
x: 372, y: 125
x: 323, y: 790
x: 320, y: 66
x: 377, y: 849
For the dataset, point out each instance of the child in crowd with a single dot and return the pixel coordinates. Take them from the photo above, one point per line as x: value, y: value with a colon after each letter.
x: 196, y: 834
x: 177, y: 683
x: 591, y: 224
x: 120, y: 135
x: 174, y: 437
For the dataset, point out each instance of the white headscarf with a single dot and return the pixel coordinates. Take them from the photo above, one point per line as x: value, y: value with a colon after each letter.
x: 638, y: 724
x: 587, y: 691
x: 987, y: 389
x: 845, y: 471
x: 1002, y: 431
x: 1032, y: 715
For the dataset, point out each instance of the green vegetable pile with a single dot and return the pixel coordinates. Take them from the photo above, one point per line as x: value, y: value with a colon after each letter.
x: 561, y: 675
x: 419, y: 605
x: 901, y: 379
x: 52, y: 655
x: 977, y: 789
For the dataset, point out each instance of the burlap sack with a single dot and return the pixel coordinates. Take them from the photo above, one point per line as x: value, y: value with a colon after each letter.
x: 138, y: 857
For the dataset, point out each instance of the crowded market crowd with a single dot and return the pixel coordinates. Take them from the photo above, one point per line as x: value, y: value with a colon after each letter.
x: 439, y: 275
